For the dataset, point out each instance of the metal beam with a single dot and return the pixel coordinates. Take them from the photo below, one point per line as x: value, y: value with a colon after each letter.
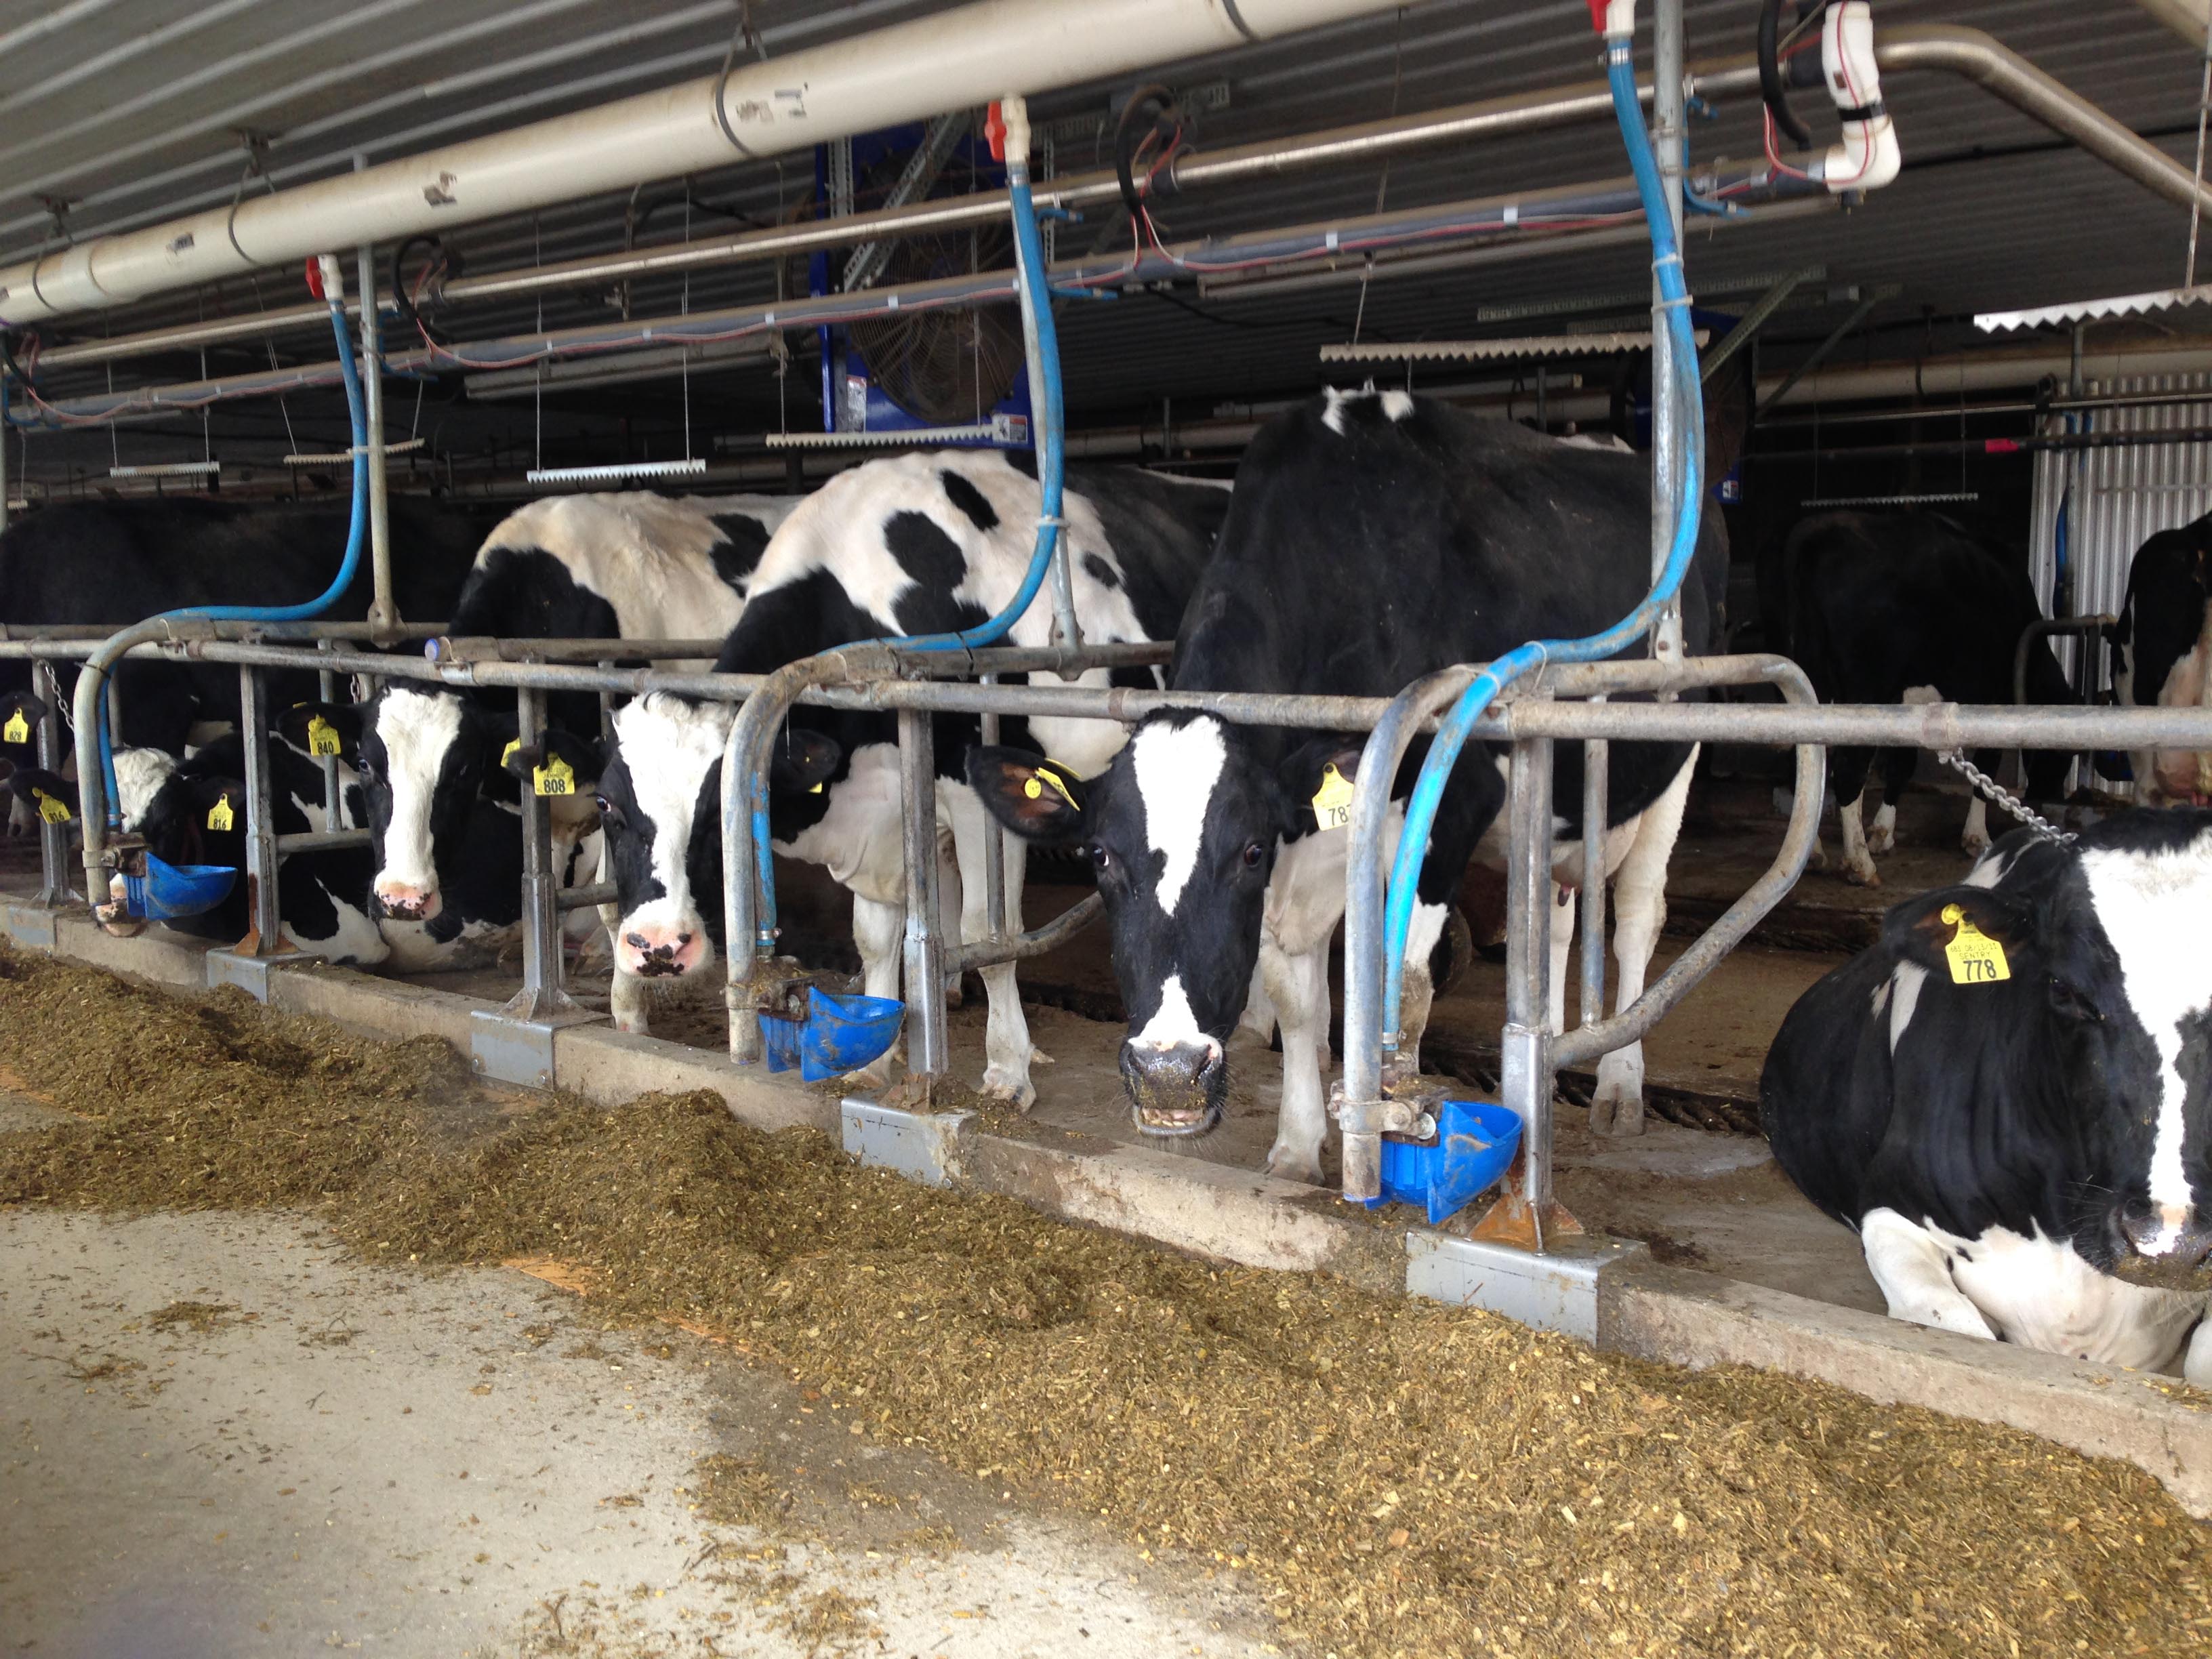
x: 1752, y: 320
x: 1858, y: 314
x: 938, y: 141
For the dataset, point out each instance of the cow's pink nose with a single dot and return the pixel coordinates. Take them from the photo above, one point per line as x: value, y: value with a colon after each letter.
x: 403, y: 902
x: 660, y: 950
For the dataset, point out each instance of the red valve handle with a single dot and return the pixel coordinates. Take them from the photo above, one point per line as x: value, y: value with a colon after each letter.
x: 994, y: 131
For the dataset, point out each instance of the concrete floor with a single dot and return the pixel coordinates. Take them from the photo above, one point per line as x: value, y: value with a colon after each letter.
x: 335, y: 1455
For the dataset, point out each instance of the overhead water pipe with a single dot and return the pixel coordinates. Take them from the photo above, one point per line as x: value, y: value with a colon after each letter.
x: 908, y: 72
x: 1620, y: 23
x: 94, y: 758
x: 748, y: 858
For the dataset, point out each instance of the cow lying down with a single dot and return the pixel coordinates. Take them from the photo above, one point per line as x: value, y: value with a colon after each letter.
x: 2009, y: 1096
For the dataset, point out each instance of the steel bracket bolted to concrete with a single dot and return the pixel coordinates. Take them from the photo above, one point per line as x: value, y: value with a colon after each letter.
x: 510, y: 1050
x: 251, y: 973
x: 923, y: 1146
x: 1558, y: 1291
x: 35, y: 926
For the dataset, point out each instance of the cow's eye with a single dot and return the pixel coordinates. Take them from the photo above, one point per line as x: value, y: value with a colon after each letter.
x: 1253, y: 852
x: 2070, y: 1004
x: 1100, y: 858
x: 607, y: 808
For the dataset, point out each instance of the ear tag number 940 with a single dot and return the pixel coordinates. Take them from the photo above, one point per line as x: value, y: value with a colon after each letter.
x: 1975, y: 957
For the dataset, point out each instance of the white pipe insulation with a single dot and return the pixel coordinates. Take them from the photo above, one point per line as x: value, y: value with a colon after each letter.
x: 952, y: 60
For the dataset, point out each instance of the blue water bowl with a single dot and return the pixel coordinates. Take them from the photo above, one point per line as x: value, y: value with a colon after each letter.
x: 839, y: 1035
x: 169, y: 891
x: 1475, y: 1146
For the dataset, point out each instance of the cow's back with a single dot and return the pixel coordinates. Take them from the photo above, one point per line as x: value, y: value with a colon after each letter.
x: 1879, y: 603
x: 1375, y: 538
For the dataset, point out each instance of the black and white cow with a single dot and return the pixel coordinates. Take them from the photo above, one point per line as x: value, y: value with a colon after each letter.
x: 194, y: 812
x: 2165, y: 638
x: 917, y: 543
x: 1372, y: 539
x: 104, y: 561
x: 1910, y: 607
x: 632, y: 565
x: 2007, y: 1096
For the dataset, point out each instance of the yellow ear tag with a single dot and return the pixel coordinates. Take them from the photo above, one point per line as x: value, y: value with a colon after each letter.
x: 1045, y: 778
x: 220, y: 817
x: 815, y: 790
x: 507, y: 753
x: 51, y: 809
x: 322, y: 736
x: 1332, y: 802
x: 556, y: 777
x: 1975, y: 957
x: 18, y: 729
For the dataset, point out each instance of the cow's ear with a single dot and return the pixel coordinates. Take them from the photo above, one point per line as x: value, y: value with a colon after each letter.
x: 1038, y: 799
x: 218, y: 803
x: 803, y: 761
x: 19, y: 715
x: 324, y: 728
x: 35, y: 787
x: 1924, y: 930
x: 1318, y: 779
x: 574, y: 763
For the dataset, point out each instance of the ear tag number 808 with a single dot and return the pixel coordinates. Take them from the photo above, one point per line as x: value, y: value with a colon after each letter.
x: 18, y: 729
x: 1975, y: 958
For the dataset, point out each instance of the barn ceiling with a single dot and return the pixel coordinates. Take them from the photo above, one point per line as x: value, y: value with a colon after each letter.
x: 119, y: 113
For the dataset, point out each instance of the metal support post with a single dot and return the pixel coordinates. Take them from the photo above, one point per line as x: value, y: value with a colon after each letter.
x: 53, y: 838
x: 994, y: 846
x: 248, y: 964
x: 1668, y: 438
x: 926, y: 1056
x: 4, y: 452
x: 326, y: 686
x: 1528, y: 1214
x: 1596, y: 752
x: 383, y: 613
x: 514, y: 1043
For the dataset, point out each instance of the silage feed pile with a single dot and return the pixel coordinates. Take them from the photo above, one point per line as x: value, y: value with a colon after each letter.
x: 1392, y: 1477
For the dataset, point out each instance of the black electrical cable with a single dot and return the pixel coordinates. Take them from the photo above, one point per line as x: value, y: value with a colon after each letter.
x: 1772, y: 85
x: 1129, y: 134
x: 446, y: 262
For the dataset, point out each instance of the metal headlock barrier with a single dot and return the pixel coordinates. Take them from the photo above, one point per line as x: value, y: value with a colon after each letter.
x: 1560, y: 703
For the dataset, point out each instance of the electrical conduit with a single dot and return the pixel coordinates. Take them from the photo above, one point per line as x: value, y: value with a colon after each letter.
x: 1451, y: 735
x: 94, y: 755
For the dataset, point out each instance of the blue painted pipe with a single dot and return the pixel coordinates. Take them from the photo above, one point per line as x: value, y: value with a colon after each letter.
x: 1451, y: 737
x: 1047, y: 438
x: 356, y: 535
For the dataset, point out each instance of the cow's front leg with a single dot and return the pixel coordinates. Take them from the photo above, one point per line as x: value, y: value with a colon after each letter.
x: 630, y: 1002
x: 1915, y: 1278
x: 1258, y: 1019
x: 1007, y: 1051
x: 2196, y: 1358
x: 1976, y: 841
x: 879, y: 935
x: 1417, y: 989
x: 1640, y: 915
x: 1859, y: 862
x: 1299, y: 986
x: 951, y: 906
x: 1562, y: 923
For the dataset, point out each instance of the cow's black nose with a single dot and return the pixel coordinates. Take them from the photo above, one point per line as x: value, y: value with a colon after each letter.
x: 2182, y: 1240
x: 637, y: 940
x: 1175, y: 1090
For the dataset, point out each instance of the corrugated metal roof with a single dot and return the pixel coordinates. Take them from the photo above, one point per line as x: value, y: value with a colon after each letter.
x: 130, y: 111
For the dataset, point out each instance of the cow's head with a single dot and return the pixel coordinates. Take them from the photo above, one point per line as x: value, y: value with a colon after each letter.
x: 423, y: 757
x: 2108, y: 1013
x: 1182, y: 829
x: 660, y: 808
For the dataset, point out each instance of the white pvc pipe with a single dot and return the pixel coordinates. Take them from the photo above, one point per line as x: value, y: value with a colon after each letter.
x: 953, y: 60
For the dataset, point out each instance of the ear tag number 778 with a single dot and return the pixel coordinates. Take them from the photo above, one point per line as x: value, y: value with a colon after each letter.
x: 1974, y: 956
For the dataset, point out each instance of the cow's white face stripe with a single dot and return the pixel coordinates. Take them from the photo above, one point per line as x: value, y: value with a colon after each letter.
x: 1397, y: 405
x: 1177, y: 768
x: 1906, y: 981
x: 1173, y: 1024
x: 419, y: 730
x: 668, y: 746
x: 2150, y: 906
x: 139, y: 776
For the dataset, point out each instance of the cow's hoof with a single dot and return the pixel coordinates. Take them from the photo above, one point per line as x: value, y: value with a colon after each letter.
x: 636, y: 1024
x: 1287, y: 1165
x: 954, y: 994
x: 1857, y: 877
x: 1880, y: 840
x: 1974, y: 846
x: 1038, y: 1057
x: 1002, y: 1084
x: 1616, y: 1112
x: 1818, y: 857
x: 875, y: 1075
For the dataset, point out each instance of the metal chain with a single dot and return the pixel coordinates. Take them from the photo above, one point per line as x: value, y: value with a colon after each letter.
x: 1989, y: 789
